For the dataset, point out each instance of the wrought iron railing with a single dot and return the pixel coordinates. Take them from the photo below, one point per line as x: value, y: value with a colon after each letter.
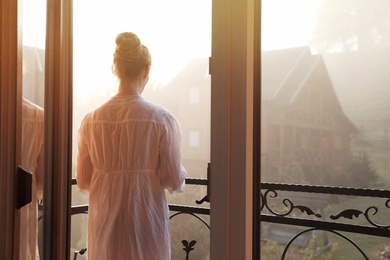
x: 196, y: 212
x: 300, y: 206
x: 303, y: 206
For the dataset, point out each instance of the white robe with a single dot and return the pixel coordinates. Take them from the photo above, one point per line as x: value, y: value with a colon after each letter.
x: 32, y: 161
x: 129, y: 152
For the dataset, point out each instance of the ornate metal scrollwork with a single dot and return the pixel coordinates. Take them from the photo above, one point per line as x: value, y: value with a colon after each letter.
x: 204, y: 199
x: 188, y: 247
x: 350, y: 213
x: 287, y: 203
x: 262, y: 201
x: 80, y: 252
x: 319, y: 197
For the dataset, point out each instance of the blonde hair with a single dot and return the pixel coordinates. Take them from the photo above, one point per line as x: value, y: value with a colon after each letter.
x: 131, y: 57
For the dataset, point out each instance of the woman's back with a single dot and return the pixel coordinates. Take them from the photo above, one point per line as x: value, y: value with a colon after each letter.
x: 129, y: 152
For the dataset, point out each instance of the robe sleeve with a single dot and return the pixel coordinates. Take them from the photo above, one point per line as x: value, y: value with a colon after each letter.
x: 39, y: 173
x: 171, y: 172
x: 84, y: 164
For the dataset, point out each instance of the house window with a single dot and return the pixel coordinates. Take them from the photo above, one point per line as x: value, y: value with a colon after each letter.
x: 288, y: 137
x: 325, y: 141
x: 193, y: 138
x: 315, y: 139
x: 305, y: 99
x: 275, y: 136
x: 193, y: 96
x: 302, y: 138
x: 338, y: 142
x: 315, y: 99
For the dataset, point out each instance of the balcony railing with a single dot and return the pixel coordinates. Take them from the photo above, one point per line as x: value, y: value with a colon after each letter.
x: 304, y: 206
x: 301, y: 206
x: 176, y: 210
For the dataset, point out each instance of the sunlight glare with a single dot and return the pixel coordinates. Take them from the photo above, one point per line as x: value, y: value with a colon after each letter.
x: 287, y: 23
x: 173, y: 38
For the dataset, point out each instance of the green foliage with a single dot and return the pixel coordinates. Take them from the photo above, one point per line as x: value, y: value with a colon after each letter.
x: 274, y: 251
x: 314, y: 251
x: 322, y: 174
x: 290, y: 172
x: 357, y: 173
x: 360, y: 172
x: 350, y: 24
x: 271, y: 250
x: 383, y: 254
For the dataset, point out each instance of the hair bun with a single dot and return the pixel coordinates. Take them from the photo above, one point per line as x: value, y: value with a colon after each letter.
x: 128, y: 46
x: 131, y: 57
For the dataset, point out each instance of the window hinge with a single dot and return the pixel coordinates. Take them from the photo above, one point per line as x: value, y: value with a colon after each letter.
x: 23, y: 186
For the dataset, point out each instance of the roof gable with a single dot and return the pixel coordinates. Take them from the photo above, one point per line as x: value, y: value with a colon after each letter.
x: 286, y: 72
x: 277, y: 65
x: 290, y: 74
x: 196, y: 70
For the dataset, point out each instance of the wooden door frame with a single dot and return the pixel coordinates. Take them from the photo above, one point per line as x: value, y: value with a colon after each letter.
x: 58, y: 130
x: 58, y: 127
x: 232, y: 88
x: 10, y: 124
x: 231, y: 128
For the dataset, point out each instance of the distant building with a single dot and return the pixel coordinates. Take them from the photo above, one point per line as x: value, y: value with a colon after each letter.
x: 301, y: 114
x: 302, y: 118
x: 187, y: 96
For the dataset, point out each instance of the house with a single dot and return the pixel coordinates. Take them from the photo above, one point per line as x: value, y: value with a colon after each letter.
x: 187, y: 96
x: 303, y: 119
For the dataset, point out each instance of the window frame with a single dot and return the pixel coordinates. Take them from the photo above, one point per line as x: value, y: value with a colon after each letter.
x: 10, y: 125
x: 232, y: 188
x: 58, y: 130
x: 233, y: 196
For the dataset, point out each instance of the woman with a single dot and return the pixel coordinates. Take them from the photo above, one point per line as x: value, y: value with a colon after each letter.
x: 129, y: 152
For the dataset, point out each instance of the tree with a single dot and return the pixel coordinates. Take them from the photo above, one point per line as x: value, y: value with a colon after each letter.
x: 361, y: 172
x: 351, y: 25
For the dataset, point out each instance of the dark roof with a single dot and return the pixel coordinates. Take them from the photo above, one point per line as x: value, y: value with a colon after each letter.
x: 276, y: 66
x: 196, y: 70
x: 284, y: 73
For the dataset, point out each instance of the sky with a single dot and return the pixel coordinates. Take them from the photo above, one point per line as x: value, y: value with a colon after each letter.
x: 175, y: 31
x: 173, y: 37
x: 287, y: 23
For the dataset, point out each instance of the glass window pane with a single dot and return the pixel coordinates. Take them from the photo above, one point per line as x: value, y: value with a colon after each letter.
x: 33, y: 58
x: 193, y: 96
x: 324, y: 87
x: 178, y: 36
x: 325, y: 92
